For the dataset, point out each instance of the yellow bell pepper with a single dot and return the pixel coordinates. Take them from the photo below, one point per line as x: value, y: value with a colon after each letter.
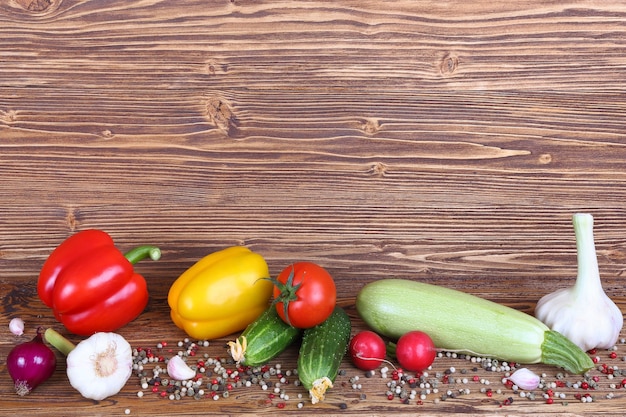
x: 221, y: 293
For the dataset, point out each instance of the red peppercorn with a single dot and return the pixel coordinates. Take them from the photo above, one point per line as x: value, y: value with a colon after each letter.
x: 280, y: 405
x: 489, y: 393
x: 613, y: 355
x: 549, y: 401
x: 584, y: 385
x: 390, y: 397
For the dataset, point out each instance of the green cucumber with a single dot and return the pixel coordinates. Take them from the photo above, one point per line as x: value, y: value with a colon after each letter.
x: 321, y: 352
x: 263, y: 339
x: 465, y: 323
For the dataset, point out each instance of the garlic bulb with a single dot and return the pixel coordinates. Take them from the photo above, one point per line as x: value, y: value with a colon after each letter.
x: 99, y: 366
x: 583, y: 313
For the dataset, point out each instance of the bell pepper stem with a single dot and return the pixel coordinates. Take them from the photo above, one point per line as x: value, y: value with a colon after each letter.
x: 58, y: 341
x: 142, y: 252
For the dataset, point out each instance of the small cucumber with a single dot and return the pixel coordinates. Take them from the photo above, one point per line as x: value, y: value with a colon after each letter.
x: 263, y: 339
x: 321, y: 352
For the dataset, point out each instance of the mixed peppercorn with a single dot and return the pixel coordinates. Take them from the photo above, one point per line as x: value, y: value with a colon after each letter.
x: 218, y: 377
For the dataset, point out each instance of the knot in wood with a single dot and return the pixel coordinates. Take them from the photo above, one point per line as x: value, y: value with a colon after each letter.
x: 378, y: 169
x: 107, y: 134
x: 448, y: 64
x: 8, y: 116
x: 545, y: 158
x: 71, y: 220
x: 35, y: 5
x: 221, y: 115
x: 370, y: 127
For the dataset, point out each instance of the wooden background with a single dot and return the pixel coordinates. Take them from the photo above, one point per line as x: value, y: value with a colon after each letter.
x: 445, y: 141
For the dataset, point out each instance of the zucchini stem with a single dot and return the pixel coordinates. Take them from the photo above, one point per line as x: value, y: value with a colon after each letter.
x: 558, y: 350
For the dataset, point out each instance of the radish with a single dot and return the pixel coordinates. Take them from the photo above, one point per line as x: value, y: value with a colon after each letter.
x: 415, y: 351
x: 367, y: 350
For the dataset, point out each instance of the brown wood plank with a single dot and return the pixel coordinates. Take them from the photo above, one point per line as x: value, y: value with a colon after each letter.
x: 448, y: 142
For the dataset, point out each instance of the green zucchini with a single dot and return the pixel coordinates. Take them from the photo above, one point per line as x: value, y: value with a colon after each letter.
x: 464, y: 323
x: 321, y: 352
x: 263, y: 339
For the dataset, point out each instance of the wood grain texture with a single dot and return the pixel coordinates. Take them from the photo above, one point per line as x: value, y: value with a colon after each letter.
x: 443, y: 141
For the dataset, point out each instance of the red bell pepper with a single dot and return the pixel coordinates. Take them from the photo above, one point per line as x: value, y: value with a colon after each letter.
x: 91, y: 286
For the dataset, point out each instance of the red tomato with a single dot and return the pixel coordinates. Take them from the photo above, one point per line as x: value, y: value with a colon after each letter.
x: 415, y: 351
x: 305, y: 295
x: 367, y: 350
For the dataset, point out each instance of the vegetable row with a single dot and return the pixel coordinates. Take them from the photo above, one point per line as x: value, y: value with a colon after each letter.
x: 93, y: 290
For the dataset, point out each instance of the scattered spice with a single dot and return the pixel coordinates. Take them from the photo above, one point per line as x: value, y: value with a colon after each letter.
x: 216, y: 377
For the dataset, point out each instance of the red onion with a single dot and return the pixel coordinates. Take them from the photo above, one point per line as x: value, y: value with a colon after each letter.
x: 30, y: 364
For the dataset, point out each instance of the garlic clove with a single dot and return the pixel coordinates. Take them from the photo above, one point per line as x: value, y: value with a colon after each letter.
x: 178, y: 369
x: 16, y: 326
x: 525, y: 379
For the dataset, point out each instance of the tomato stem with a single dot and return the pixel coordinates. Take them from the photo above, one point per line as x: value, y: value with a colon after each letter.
x: 287, y: 292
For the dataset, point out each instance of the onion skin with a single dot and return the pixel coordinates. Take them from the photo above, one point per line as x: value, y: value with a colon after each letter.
x: 30, y: 364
